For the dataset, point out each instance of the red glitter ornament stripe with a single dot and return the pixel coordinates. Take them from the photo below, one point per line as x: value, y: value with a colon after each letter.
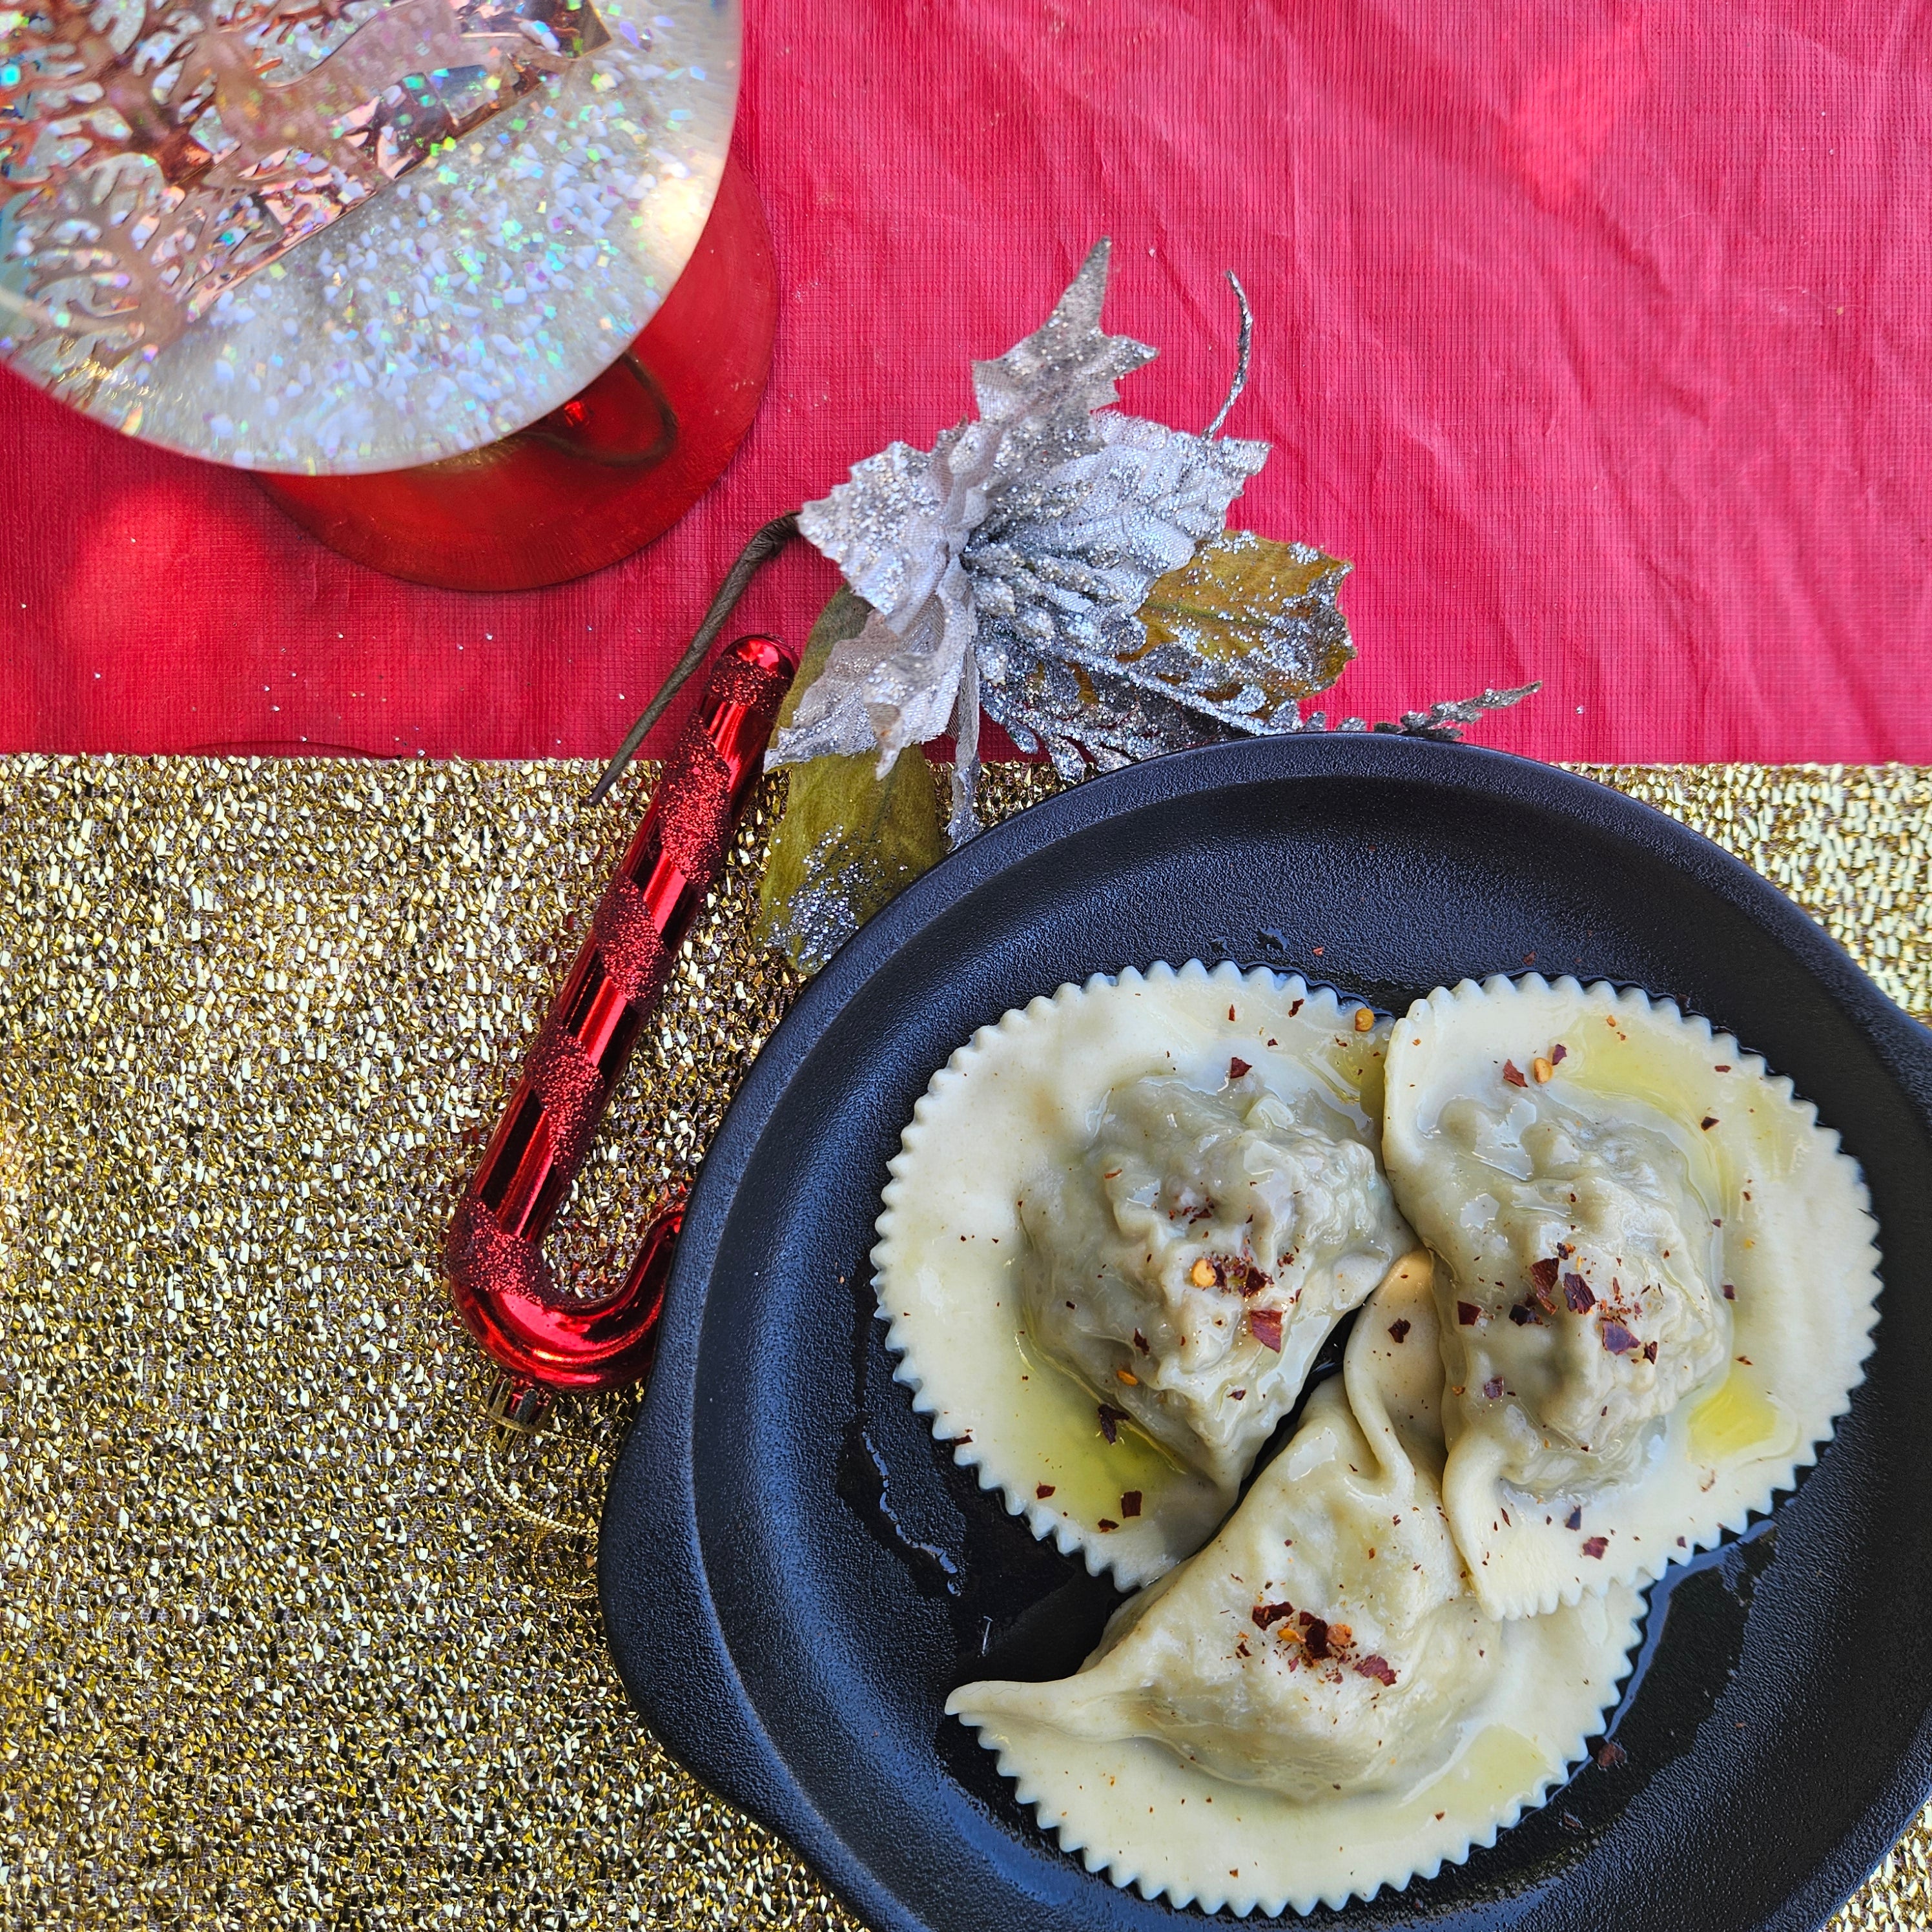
x: 502, y: 1287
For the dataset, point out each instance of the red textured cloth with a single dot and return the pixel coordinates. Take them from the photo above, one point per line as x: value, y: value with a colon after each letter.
x: 1593, y: 334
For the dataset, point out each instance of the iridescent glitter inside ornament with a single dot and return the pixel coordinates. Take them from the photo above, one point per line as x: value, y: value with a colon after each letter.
x: 338, y: 235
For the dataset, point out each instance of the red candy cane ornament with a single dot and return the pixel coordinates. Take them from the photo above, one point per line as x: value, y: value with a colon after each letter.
x: 502, y: 1287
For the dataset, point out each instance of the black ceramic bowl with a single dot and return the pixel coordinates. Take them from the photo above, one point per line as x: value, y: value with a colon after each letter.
x: 793, y: 1576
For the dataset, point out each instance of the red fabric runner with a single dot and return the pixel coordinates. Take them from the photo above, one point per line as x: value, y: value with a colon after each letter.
x: 1594, y: 334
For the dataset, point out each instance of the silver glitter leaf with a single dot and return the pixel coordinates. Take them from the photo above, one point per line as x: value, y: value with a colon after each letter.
x: 1443, y: 720
x: 1045, y: 387
x: 1061, y: 560
x: 1087, y: 718
x: 889, y: 687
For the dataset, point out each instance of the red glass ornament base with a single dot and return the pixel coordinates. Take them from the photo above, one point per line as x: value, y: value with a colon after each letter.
x: 600, y: 477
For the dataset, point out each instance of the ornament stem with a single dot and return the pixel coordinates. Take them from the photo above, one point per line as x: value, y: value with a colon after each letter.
x: 1241, y: 355
x: 765, y: 545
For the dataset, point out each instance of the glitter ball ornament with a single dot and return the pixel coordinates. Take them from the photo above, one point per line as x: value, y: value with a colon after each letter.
x: 599, y: 475
x: 328, y: 236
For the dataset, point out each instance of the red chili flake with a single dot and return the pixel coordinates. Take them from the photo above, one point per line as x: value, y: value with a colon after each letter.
x: 1513, y: 1074
x: 1721, y: 1069
x: 1377, y: 1667
x: 1595, y: 1546
x: 1493, y: 1388
x: 1399, y: 1328
x: 1296, y: 1008
x: 967, y: 1438
x: 1730, y: 1292
x: 1571, y: 1822
x: 1543, y: 1274
x: 1650, y: 1351
x: 1265, y: 1325
x: 1265, y: 1614
x: 1141, y: 1343
x: 1577, y: 1293
x: 1467, y: 1313
x: 1042, y: 1490
x: 1610, y: 1755
x: 1709, y: 1121
x: 1231, y: 1012
x: 1523, y: 1314
x: 1617, y: 1339
x: 1130, y: 1502
x: 1274, y: 1042
x: 1106, y: 1522
x: 1574, y: 1520
x: 1314, y: 1637
x: 1111, y: 1419
x: 1237, y: 1395
x: 1558, y: 1053
x: 1236, y: 1068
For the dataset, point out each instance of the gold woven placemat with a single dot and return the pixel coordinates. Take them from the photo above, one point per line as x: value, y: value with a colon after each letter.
x: 285, y: 1641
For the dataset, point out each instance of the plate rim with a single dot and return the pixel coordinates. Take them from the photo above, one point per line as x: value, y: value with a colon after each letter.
x: 737, y: 1755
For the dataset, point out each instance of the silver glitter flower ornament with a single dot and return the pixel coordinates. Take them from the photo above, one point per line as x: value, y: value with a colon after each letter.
x: 1067, y: 567
x: 1011, y: 557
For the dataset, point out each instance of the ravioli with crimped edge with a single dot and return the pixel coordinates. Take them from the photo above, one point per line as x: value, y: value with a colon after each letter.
x: 1317, y: 1705
x: 1119, y: 1228
x: 1657, y: 1284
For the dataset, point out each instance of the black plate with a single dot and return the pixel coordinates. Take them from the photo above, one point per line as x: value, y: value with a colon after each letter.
x: 794, y: 1577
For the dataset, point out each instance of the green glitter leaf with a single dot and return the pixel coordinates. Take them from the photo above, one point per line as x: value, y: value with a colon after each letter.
x: 1256, y: 610
x: 850, y: 841
x: 1251, y: 612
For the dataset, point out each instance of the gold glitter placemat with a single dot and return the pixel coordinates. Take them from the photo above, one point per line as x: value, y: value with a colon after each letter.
x: 285, y: 1641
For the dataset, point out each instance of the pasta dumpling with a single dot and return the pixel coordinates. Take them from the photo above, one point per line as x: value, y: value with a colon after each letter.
x: 1657, y: 1281
x: 1186, y: 1157
x: 1317, y: 1704
x: 1191, y: 1263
